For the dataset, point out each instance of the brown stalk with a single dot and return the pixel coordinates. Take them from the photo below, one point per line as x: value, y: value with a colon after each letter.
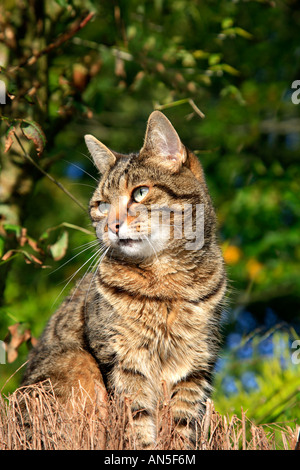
x: 244, y: 429
x: 33, y: 418
x: 206, y: 423
x: 57, y: 183
x: 54, y: 45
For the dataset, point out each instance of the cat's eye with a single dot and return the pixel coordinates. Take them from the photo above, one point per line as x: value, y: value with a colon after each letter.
x: 140, y: 193
x: 103, y: 208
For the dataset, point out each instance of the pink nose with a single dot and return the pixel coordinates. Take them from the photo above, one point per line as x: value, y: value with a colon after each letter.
x: 114, y: 227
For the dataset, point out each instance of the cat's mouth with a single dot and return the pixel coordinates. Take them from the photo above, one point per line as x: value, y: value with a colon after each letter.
x: 128, y: 241
x: 133, y: 245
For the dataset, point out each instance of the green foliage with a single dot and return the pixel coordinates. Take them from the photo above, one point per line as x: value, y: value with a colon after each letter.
x: 68, y: 72
x: 266, y: 385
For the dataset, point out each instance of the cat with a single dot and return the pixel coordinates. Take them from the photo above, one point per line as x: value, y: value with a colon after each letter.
x: 151, y: 311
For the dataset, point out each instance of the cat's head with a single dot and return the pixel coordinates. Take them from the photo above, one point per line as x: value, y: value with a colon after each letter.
x: 147, y: 202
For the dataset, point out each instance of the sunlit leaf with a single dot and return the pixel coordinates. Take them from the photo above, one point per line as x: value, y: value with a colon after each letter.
x: 33, y: 131
x: 227, y: 23
x: 2, y: 244
x: 58, y: 249
x: 9, y: 138
x: 214, y: 59
x: 18, y: 334
x: 13, y: 228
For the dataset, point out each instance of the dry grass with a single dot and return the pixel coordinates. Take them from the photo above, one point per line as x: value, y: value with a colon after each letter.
x: 32, y: 418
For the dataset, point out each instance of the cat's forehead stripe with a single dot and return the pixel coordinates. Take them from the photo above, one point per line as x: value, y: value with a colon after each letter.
x: 117, y: 172
x: 119, y: 175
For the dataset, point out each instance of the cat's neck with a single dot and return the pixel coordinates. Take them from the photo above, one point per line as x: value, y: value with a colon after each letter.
x: 168, y: 276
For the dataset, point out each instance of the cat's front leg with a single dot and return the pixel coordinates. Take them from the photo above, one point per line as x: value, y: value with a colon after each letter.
x: 137, y: 392
x: 188, y: 398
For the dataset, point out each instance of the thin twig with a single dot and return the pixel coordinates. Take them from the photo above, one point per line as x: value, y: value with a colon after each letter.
x: 243, y: 430
x: 58, y: 42
x: 103, y: 48
x: 11, y: 376
x: 180, y: 102
x: 196, y: 109
x: 57, y: 183
x: 206, y: 423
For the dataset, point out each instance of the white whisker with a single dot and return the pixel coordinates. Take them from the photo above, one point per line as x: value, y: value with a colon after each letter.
x: 154, y: 251
x: 73, y: 275
x: 84, y: 171
x: 98, y: 263
x: 83, y: 184
x: 89, y: 244
x: 88, y: 271
x: 87, y: 156
x: 75, y: 256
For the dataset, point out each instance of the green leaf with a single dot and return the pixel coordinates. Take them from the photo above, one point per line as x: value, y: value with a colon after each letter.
x: 33, y: 131
x: 233, y: 92
x: 188, y: 60
x: 237, y: 31
x: 13, y: 228
x: 243, y: 33
x: 62, y: 3
x: 214, y: 59
x: 10, y: 254
x: 58, y: 249
x: 9, y: 137
x: 200, y: 54
x: 227, y: 23
x: 224, y: 68
x: 2, y: 242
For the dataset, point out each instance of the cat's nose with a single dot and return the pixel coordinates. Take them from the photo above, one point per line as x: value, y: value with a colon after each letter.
x: 114, y: 227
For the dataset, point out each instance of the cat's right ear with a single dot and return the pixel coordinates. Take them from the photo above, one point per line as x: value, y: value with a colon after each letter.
x: 102, y: 156
x: 162, y: 143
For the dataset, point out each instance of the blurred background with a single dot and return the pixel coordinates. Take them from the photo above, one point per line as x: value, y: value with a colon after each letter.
x: 100, y: 67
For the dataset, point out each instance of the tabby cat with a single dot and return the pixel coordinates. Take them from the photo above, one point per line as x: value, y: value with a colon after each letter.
x: 150, y: 312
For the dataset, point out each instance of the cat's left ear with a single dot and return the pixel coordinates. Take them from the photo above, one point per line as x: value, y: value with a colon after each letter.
x: 102, y: 156
x: 162, y: 143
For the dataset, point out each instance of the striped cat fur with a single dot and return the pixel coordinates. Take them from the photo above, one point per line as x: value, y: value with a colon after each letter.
x: 151, y: 310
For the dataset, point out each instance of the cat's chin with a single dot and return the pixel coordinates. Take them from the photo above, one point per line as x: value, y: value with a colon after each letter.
x: 137, y: 249
x: 133, y: 248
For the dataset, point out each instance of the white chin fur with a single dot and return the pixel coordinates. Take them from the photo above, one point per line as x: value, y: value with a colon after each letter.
x: 137, y: 247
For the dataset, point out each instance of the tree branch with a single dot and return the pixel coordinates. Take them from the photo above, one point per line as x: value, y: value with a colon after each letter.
x: 57, y: 183
x: 58, y: 42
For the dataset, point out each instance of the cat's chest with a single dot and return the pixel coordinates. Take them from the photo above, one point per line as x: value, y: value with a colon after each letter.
x: 159, y: 337
x: 149, y: 318
x: 151, y: 324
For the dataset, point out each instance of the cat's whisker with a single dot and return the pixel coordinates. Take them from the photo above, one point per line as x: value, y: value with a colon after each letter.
x: 89, y: 269
x: 98, y: 263
x: 169, y: 225
x: 175, y: 226
x: 81, y: 169
x: 83, y: 184
x: 87, y: 157
x: 90, y: 244
x: 99, y: 259
x: 73, y: 275
x: 90, y: 258
x: 69, y: 260
x: 154, y: 251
